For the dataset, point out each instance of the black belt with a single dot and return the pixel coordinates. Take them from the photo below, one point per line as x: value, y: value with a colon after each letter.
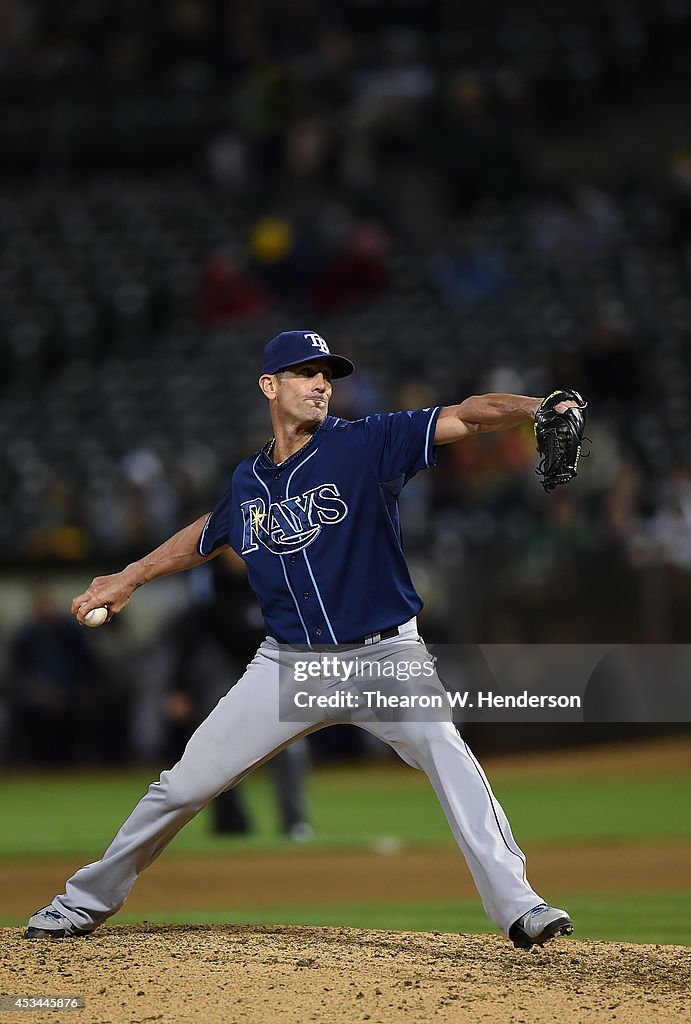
x: 363, y: 641
x: 374, y: 638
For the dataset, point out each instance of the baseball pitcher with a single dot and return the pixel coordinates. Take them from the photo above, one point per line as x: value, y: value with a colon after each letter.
x: 314, y: 514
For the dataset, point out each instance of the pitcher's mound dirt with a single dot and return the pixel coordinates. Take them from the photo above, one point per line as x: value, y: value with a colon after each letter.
x: 258, y: 975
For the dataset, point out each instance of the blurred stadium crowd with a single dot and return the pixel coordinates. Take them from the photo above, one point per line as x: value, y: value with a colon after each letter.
x: 182, y: 181
x: 303, y: 86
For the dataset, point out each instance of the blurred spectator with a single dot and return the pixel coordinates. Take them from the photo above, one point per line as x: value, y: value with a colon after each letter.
x: 575, y: 227
x: 148, y: 511
x: 214, y: 642
x: 226, y: 160
x: 359, y: 270
x: 622, y: 504
x: 490, y: 472
x: 668, y: 534
x: 307, y: 146
x: 330, y: 69
x: 477, y: 154
x: 271, y: 98
x: 226, y: 292
x: 362, y: 392
x: 58, y: 529
x: 55, y: 688
x: 282, y: 262
x: 565, y: 534
x: 465, y: 272
x: 415, y: 498
x: 386, y: 100
x: 194, y: 476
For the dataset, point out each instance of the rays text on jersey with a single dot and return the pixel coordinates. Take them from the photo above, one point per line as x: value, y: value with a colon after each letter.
x: 292, y: 524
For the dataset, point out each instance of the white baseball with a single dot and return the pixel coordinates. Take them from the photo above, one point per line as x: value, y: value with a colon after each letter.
x: 96, y: 617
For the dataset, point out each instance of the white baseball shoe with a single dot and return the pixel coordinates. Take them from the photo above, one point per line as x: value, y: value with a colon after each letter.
x: 301, y: 832
x: 539, y: 925
x: 49, y: 923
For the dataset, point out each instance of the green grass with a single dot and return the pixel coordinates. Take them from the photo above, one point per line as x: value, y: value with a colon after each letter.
x: 77, y: 815
x: 48, y: 815
x: 663, y: 917
x: 660, y: 917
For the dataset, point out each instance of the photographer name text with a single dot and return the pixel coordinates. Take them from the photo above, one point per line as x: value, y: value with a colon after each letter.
x: 455, y: 699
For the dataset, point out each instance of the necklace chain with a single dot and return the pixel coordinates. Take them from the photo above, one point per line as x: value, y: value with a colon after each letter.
x: 271, y: 444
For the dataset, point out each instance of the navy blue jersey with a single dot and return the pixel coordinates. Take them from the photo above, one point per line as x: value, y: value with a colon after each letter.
x: 320, y: 532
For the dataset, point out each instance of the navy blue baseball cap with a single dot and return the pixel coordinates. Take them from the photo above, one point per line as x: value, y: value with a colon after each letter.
x: 293, y: 347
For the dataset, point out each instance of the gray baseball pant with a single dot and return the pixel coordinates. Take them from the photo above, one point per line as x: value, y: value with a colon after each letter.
x: 248, y: 727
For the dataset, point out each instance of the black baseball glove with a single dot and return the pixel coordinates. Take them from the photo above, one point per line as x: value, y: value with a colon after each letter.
x: 559, y: 436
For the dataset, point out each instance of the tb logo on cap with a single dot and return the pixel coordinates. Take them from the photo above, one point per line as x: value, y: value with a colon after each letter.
x: 318, y: 342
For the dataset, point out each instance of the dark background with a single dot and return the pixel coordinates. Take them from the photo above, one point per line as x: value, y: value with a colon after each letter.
x: 464, y: 197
